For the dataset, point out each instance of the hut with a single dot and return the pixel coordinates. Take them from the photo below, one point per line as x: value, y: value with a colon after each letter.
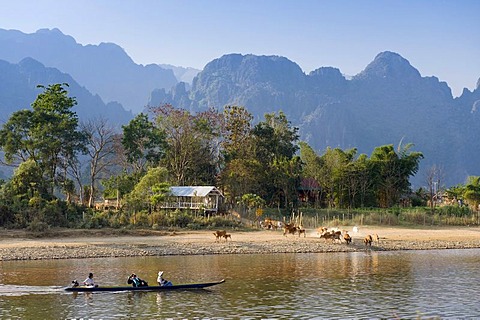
x: 205, y: 198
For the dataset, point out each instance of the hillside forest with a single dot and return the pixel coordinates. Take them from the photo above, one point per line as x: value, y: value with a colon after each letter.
x: 63, y: 167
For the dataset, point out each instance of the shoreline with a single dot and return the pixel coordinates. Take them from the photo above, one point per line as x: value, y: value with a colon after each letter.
x: 78, y: 244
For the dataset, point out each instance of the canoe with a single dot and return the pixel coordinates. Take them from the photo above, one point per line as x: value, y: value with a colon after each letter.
x: 149, y: 288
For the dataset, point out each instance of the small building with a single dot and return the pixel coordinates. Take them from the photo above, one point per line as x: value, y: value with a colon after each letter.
x: 309, y: 191
x: 205, y: 198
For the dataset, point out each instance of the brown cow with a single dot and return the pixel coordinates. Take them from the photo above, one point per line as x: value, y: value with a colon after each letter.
x: 219, y: 234
x: 347, y: 238
x: 331, y: 235
x: 368, y: 240
x: 289, y: 228
x: 270, y: 224
x: 322, y: 230
x: 300, y: 231
x: 327, y: 236
x: 227, y: 235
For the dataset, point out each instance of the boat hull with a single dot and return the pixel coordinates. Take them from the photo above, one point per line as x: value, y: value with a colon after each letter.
x: 149, y: 288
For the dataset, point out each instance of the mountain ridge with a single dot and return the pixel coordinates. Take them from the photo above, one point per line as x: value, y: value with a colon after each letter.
x: 19, y: 90
x: 97, y: 67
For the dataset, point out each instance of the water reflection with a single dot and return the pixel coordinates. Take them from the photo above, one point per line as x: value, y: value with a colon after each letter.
x: 315, y: 286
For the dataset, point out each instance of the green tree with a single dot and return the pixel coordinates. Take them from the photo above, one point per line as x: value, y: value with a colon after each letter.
x: 119, y: 186
x: 364, y: 173
x: 240, y: 174
x: 274, y: 142
x: 471, y: 192
x: 275, y: 137
x: 311, y: 168
x: 27, y: 181
x: 149, y: 190
x: 393, y: 172
x: 143, y: 142
x: 237, y: 133
x: 286, y: 173
x: 252, y: 202
x: 46, y: 135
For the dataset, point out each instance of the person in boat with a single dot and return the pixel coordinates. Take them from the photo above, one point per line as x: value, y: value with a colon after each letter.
x: 161, y: 281
x: 135, y: 281
x: 89, y: 282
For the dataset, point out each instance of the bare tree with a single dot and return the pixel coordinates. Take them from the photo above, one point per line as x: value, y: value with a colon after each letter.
x: 74, y: 169
x: 100, y: 150
x: 433, y: 178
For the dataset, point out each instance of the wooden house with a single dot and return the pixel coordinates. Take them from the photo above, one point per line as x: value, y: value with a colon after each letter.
x: 204, y: 198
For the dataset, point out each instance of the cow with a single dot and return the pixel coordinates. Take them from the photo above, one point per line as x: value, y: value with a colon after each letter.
x: 327, y: 236
x: 219, y: 234
x: 289, y: 228
x: 332, y: 235
x: 376, y: 238
x: 227, y: 235
x: 300, y: 231
x: 347, y: 238
x: 322, y: 230
x: 368, y: 240
x: 270, y: 224
x: 337, y: 235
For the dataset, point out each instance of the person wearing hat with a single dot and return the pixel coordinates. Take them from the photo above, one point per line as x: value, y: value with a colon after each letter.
x: 89, y: 281
x: 161, y: 281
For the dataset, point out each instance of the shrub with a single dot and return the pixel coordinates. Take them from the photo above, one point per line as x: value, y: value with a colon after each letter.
x: 453, y: 211
x: 7, y: 216
x: 37, y: 226
x: 220, y: 222
x: 181, y: 220
x: 140, y: 219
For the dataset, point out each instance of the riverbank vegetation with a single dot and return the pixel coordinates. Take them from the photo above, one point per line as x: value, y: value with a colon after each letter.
x: 64, y: 167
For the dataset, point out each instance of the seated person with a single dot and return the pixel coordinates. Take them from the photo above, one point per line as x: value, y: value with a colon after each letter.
x: 161, y: 281
x: 89, y: 281
x: 136, y: 281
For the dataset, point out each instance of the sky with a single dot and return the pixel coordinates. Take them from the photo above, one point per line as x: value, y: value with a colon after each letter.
x: 439, y: 38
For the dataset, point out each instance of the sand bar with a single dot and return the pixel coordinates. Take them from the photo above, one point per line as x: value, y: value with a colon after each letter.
x: 70, y: 244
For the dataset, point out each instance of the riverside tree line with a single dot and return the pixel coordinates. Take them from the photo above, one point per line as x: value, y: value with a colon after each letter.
x: 64, y: 165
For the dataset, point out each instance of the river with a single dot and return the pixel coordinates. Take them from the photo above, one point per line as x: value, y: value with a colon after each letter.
x: 362, y: 285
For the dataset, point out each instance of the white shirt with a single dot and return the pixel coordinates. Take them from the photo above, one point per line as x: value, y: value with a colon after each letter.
x: 89, y: 282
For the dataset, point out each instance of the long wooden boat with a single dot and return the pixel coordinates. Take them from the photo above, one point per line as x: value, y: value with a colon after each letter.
x: 148, y: 288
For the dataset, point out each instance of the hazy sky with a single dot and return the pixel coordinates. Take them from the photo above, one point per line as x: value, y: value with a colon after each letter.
x: 439, y: 38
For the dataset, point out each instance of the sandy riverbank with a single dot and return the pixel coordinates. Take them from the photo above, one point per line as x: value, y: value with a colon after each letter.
x: 17, y: 245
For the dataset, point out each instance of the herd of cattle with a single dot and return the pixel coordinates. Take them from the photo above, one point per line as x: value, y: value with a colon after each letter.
x: 329, y: 234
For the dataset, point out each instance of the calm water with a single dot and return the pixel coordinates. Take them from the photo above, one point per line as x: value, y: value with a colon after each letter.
x: 364, y: 285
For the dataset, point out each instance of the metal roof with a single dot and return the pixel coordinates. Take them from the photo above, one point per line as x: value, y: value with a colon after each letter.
x: 194, y: 191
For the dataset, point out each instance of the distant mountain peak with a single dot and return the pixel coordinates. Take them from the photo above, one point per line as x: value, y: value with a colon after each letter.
x: 389, y: 64
x: 329, y: 72
x: 31, y: 64
x: 47, y: 31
